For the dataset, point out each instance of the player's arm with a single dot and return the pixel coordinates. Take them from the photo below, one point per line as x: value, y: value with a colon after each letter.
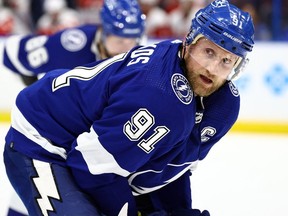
x: 179, y: 212
x: 220, y: 113
x: 31, y: 55
x: 176, y: 195
x: 174, y: 200
x: 24, y: 54
x: 131, y: 131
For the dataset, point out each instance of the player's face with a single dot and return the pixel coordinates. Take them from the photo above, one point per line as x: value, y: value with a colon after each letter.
x: 208, y: 66
x: 116, y: 45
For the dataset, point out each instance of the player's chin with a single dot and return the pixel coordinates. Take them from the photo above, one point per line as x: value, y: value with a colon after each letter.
x: 202, y: 86
x: 205, y: 91
x: 209, y: 88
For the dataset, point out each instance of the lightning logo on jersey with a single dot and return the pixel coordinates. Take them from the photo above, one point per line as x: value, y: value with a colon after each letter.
x: 45, y: 185
x: 181, y: 88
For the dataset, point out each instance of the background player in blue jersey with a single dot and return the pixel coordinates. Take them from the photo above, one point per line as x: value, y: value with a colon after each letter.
x: 122, y: 28
x: 122, y: 135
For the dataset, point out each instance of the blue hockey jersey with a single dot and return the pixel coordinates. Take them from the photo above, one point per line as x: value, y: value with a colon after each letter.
x: 126, y: 126
x: 31, y: 55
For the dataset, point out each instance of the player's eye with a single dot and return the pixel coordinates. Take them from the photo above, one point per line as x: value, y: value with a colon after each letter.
x: 209, y: 52
x: 226, y: 61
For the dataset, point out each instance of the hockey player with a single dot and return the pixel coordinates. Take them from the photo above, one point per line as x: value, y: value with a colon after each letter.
x: 122, y: 27
x: 123, y: 134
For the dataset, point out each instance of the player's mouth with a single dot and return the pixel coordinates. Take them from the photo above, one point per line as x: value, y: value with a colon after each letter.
x: 206, y: 80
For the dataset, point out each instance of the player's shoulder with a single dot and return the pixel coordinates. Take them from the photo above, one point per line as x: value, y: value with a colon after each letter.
x: 74, y: 39
x: 161, y: 54
x: 226, y: 93
x: 230, y: 90
x: 169, y: 45
x: 158, y: 60
x: 170, y: 42
x: 162, y: 45
x: 88, y: 28
x: 79, y: 31
x: 155, y: 50
x: 225, y: 100
x: 82, y: 32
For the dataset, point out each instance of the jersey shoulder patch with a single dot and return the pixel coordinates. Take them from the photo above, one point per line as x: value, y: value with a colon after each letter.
x: 181, y: 88
x: 73, y: 40
x: 233, y: 89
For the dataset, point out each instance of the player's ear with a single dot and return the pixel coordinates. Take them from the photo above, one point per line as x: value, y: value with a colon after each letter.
x: 183, y: 49
x: 238, y: 69
x: 189, y: 38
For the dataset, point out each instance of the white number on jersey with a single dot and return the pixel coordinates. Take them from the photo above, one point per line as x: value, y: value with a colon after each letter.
x: 37, y: 53
x: 78, y: 73
x: 142, y: 54
x: 140, y: 123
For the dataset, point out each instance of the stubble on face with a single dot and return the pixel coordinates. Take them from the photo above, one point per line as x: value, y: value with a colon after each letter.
x: 203, y: 83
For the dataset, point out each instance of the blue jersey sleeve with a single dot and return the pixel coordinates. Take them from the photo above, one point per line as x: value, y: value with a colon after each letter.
x: 176, y: 195
x: 33, y: 54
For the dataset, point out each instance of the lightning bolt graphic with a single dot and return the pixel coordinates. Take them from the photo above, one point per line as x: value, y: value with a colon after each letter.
x: 45, y: 185
x: 182, y: 87
x: 124, y: 210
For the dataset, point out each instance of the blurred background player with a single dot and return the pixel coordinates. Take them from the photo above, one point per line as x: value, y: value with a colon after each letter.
x: 122, y: 27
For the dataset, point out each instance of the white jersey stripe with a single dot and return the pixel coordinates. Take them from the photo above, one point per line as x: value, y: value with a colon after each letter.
x: 97, y: 158
x: 12, y: 48
x: 20, y: 124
